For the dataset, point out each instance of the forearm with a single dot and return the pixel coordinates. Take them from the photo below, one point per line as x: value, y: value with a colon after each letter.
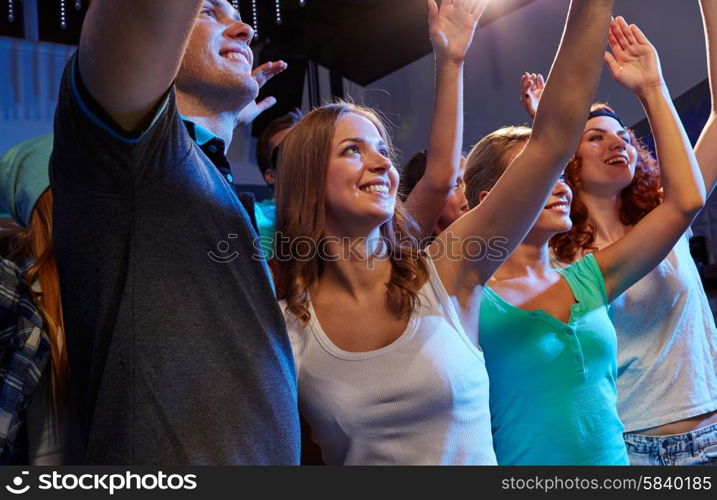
x: 428, y: 197
x: 130, y: 51
x: 706, y: 148
x: 681, y: 178
x: 706, y: 153
x: 574, y: 76
x: 709, y: 19
x: 446, y: 134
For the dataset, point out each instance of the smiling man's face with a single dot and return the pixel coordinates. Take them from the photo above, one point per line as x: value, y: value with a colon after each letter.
x: 218, y: 61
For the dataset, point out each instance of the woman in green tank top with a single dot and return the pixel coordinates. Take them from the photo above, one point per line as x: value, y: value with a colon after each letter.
x: 549, y: 345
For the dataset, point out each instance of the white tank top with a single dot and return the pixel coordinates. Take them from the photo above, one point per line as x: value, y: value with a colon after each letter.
x: 423, y: 399
x: 667, y: 345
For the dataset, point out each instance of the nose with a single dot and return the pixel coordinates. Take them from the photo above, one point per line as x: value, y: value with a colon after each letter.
x: 239, y: 30
x: 561, y: 188
x: 378, y: 162
x: 618, y: 143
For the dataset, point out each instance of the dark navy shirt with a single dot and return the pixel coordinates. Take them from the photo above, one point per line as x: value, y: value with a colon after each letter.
x: 178, y: 352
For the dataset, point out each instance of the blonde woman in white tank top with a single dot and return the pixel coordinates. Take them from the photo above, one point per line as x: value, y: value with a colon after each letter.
x: 386, y: 339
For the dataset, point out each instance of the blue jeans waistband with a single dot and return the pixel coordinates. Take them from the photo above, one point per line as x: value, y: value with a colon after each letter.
x: 698, y: 438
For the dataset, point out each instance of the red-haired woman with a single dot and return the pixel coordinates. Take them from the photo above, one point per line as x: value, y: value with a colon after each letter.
x: 25, y: 194
x: 385, y: 338
x: 667, y: 341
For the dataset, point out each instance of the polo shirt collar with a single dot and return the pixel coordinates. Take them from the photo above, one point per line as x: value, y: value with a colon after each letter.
x: 211, y: 145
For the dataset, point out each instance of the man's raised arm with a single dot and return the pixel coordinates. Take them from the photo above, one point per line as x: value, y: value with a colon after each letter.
x: 130, y: 51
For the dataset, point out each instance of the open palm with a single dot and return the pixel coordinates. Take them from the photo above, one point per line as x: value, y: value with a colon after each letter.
x: 261, y: 74
x: 634, y: 62
x: 452, y: 26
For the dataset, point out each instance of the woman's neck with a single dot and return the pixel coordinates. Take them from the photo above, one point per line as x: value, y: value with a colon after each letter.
x: 528, y: 260
x: 355, y: 265
x: 604, y: 215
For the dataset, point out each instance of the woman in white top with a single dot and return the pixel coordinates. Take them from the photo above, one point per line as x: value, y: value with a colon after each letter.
x: 385, y: 338
x: 667, y: 341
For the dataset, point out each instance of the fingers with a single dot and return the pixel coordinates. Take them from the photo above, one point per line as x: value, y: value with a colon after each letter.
x: 638, y: 34
x: 479, y: 8
x: 626, y: 31
x: 280, y: 66
x: 274, y: 68
x: 531, y: 82
x: 618, y: 36
x: 525, y: 85
x: 611, y: 63
x: 432, y: 11
x: 615, y: 45
x: 265, y: 104
x: 268, y: 70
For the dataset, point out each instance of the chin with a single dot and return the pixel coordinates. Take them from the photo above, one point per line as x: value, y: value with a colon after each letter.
x: 564, y: 228
x: 555, y: 227
x: 620, y: 182
x: 384, y: 218
x: 236, y: 92
x: 372, y: 220
x: 241, y: 83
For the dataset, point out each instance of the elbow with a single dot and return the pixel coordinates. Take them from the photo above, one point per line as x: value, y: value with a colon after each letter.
x: 442, y: 189
x: 554, y: 148
x: 698, y: 204
x: 441, y: 185
x: 691, y: 206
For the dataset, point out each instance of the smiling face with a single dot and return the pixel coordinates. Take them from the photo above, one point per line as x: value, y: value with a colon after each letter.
x: 361, y: 181
x: 555, y: 216
x: 607, y: 158
x: 217, y: 63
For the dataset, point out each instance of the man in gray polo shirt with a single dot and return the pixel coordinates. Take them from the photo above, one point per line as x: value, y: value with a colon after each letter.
x: 176, y: 356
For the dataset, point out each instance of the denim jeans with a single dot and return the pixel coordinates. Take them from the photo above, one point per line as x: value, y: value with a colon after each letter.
x: 698, y: 447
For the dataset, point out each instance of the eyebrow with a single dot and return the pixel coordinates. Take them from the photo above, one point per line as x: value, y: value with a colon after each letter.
x: 361, y: 140
x: 224, y: 7
x: 596, y: 129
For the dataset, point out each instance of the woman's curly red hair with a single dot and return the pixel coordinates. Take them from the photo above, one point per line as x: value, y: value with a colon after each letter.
x: 637, y: 200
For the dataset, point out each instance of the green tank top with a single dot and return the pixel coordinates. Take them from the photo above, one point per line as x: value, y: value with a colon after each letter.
x: 553, y: 395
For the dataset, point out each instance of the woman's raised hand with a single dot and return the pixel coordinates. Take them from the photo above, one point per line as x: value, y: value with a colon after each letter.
x: 634, y: 62
x: 452, y: 27
x: 531, y: 88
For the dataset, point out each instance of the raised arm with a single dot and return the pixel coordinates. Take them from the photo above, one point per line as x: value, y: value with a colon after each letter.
x: 451, y: 28
x: 130, y: 51
x: 515, y: 202
x: 706, y: 148
x: 636, y: 66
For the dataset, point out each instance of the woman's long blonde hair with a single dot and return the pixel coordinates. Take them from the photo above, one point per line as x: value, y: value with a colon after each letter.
x: 301, y: 214
x: 34, y: 244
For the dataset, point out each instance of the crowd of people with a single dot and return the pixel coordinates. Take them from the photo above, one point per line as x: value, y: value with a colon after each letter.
x: 532, y: 303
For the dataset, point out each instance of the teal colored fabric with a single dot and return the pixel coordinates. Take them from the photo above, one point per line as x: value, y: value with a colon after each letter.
x: 24, y: 176
x: 553, y: 395
x: 200, y: 135
x: 265, y: 214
